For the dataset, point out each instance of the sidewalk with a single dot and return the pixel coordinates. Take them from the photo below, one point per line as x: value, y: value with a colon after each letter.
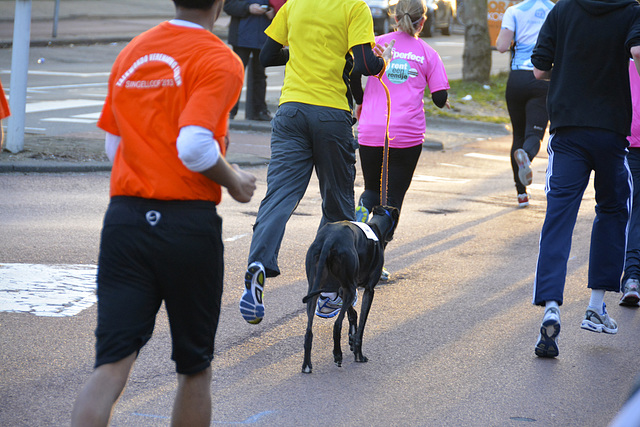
x: 92, y: 21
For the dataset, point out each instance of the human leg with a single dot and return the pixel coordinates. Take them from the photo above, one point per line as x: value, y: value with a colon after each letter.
x: 288, y: 176
x: 256, y: 105
x: 567, y: 177
x: 95, y: 402
x: 192, y: 405
x: 128, y: 300
x: 371, y: 164
x: 632, y: 260
x: 612, y: 192
x: 244, y: 54
x: 516, y: 103
x: 334, y: 157
x: 402, y: 164
x: 537, y: 117
x: 192, y: 296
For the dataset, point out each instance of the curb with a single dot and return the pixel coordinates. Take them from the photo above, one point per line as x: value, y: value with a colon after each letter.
x: 245, y: 160
x: 49, y: 166
x: 84, y: 40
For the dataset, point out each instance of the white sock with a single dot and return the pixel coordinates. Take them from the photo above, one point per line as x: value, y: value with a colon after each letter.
x: 549, y: 304
x: 331, y: 295
x: 596, y: 301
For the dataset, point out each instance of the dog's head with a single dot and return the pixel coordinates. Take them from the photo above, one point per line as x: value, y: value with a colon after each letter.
x: 386, y: 219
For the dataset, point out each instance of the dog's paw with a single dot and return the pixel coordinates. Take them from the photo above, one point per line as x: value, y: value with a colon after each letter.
x: 361, y: 358
x: 337, y: 359
x: 306, y: 369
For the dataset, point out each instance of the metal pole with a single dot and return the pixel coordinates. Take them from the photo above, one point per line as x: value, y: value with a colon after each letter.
x: 56, y: 14
x: 19, y: 68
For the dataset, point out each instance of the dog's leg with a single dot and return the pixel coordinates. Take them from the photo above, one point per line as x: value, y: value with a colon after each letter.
x: 352, y: 315
x: 308, y: 336
x: 347, y: 300
x: 367, y: 299
x: 337, y: 331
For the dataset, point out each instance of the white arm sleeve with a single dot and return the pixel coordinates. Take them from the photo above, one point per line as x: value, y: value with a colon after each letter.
x: 197, y: 149
x: 111, y: 143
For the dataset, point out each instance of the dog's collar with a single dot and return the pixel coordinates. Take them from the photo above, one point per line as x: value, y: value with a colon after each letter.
x: 367, y: 230
x: 393, y: 221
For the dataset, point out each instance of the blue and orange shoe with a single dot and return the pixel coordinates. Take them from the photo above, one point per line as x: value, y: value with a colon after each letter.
x: 362, y: 214
x: 251, y: 306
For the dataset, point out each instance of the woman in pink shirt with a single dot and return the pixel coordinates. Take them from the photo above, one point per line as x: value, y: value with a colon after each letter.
x: 414, y: 67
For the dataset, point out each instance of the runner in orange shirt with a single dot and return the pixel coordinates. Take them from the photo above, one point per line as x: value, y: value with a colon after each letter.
x: 170, y: 93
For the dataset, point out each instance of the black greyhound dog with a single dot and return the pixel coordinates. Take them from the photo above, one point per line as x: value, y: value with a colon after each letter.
x: 351, y: 254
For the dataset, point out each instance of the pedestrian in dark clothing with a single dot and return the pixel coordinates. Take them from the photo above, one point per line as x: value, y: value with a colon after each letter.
x: 249, y: 19
x: 589, y: 105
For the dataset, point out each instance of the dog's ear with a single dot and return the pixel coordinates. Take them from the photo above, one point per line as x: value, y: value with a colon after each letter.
x: 395, y: 213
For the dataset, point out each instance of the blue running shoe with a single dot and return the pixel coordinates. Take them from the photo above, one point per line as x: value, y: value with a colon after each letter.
x: 251, y: 306
x: 328, y: 307
x: 362, y: 214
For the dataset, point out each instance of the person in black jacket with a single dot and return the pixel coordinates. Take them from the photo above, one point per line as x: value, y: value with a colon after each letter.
x: 249, y: 19
x: 583, y: 48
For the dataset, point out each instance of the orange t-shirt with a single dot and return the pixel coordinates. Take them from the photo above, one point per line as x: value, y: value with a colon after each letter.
x: 167, y: 78
x: 4, y: 107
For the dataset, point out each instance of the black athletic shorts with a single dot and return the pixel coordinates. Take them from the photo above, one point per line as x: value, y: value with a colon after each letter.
x: 153, y: 251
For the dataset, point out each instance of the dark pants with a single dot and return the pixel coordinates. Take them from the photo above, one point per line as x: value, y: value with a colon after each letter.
x: 402, y: 163
x: 526, y: 101
x: 632, y: 263
x: 256, y: 83
x: 304, y: 136
x: 573, y: 154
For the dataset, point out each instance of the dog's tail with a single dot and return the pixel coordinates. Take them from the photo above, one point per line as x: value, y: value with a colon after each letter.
x: 321, y: 263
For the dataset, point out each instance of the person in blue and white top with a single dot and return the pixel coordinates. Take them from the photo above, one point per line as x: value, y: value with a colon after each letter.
x: 526, y: 97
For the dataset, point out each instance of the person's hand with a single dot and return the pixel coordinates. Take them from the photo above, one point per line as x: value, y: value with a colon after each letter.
x: 358, y: 111
x: 245, y: 185
x: 271, y: 13
x: 385, y: 52
x: 256, y: 9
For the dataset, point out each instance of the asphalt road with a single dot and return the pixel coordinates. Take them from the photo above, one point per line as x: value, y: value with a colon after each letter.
x: 449, y: 340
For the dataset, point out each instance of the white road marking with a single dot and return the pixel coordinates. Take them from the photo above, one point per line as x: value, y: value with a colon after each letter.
x: 488, y: 157
x: 60, y: 73
x: 47, y: 290
x: 76, y: 118
x: 94, y: 116
x: 425, y: 178
x: 36, y: 107
x: 236, y: 237
x: 74, y: 86
x: 68, y: 120
x: 447, y: 44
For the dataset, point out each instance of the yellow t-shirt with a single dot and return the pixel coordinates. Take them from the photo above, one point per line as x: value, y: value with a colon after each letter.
x: 320, y: 34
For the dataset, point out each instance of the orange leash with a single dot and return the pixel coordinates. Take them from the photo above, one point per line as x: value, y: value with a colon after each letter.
x: 384, y: 178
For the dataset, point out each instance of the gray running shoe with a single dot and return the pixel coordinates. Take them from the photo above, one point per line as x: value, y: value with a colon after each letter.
x: 524, y: 167
x: 596, y: 322
x: 547, y: 345
x: 327, y: 307
x: 630, y: 293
